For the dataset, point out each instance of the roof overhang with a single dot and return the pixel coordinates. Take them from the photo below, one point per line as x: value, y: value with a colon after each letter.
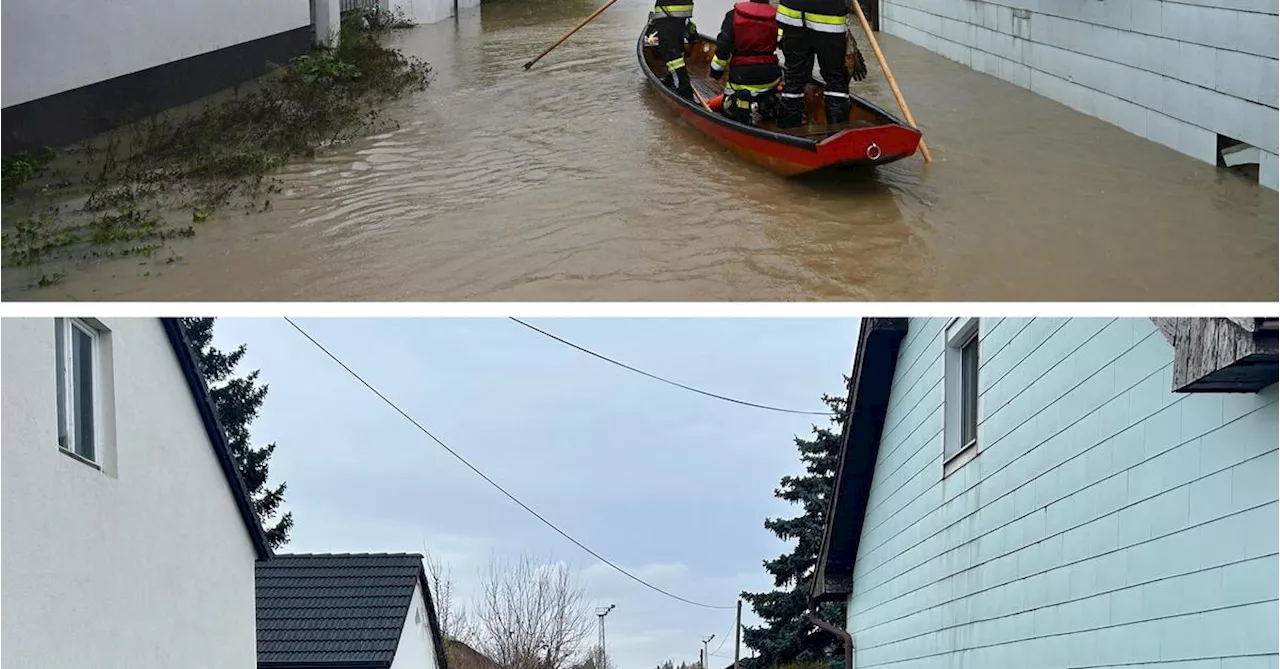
x: 879, y: 340
x: 1221, y: 355
x: 326, y: 664
x: 217, y: 436
x: 437, y: 637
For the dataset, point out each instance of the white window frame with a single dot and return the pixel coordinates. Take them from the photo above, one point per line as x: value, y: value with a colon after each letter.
x: 66, y: 409
x: 959, y: 333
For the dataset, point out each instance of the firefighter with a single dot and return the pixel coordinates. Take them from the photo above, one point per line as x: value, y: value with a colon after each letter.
x: 746, y: 45
x: 672, y: 26
x: 815, y: 28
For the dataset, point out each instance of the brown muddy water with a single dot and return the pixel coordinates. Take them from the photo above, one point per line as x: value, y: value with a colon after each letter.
x: 572, y: 181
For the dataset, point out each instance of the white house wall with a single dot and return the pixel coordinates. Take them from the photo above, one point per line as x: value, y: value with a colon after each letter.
x: 147, y: 567
x: 416, y: 649
x: 1177, y: 72
x: 1106, y: 522
x: 51, y: 46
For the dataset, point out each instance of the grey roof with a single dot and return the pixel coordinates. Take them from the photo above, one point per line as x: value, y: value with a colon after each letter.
x: 338, y: 610
x: 213, y: 428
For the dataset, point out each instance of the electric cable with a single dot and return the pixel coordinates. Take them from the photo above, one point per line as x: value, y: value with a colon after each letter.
x: 666, y: 380
x: 490, y: 481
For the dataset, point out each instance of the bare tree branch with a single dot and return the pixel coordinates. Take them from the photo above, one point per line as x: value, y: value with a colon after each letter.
x: 532, y: 615
x: 455, y: 623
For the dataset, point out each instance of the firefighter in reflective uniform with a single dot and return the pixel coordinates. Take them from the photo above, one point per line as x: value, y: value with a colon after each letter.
x: 672, y: 25
x: 815, y: 28
x: 746, y: 45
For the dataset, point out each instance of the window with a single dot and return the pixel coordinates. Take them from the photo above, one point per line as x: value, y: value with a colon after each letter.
x: 961, y: 411
x: 79, y: 395
x: 969, y: 392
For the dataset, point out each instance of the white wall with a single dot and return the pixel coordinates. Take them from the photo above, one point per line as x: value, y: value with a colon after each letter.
x: 430, y: 11
x: 416, y: 649
x: 1106, y: 521
x: 148, y: 566
x: 1177, y: 72
x: 51, y: 46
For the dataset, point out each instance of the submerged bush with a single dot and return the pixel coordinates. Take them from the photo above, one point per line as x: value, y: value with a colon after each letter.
x: 194, y: 165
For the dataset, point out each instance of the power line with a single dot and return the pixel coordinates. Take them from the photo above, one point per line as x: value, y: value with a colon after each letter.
x: 490, y: 481
x: 666, y: 380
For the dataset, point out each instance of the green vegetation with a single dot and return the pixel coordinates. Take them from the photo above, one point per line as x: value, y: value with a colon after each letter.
x: 150, y: 182
x: 787, y: 638
x: 238, y: 400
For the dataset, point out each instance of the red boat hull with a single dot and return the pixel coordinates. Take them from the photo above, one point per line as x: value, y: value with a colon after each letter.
x: 875, y: 138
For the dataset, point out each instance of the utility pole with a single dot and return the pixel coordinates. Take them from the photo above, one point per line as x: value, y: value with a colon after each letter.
x: 601, y: 656
x: 737, y: 637
x: 706, y: 654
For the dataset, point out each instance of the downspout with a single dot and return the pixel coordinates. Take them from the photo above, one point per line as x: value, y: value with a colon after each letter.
x: 845, y: 637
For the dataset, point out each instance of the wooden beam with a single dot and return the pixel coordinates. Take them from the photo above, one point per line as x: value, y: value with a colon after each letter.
x: 1220, y: 354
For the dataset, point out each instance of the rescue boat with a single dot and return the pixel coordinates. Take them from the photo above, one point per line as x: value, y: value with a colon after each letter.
x: 872, y: 136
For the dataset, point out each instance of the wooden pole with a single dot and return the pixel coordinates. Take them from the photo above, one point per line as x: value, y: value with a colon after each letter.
x: 702, y: 101
x: 576, y: 28
x: 893, y: 83
x: 737, y: 637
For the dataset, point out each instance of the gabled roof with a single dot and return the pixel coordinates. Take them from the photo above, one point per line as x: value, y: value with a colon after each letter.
x: 217, y: 436
x: 338, y: 610
x: 879, y: 340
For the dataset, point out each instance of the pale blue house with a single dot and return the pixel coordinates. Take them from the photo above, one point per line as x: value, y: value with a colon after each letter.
x: 1053, y: 493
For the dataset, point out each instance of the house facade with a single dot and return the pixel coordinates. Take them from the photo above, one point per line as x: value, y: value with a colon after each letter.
x: 355, y: 611
x: 1058, y: 493
x: 74, y: 69
x: 1194, y: 75
x: 129, y: 537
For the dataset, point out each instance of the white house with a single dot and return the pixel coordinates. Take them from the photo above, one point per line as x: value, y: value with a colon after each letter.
x: 75, y: 68
x: 354, y: 611
x: 129, y: 537
x: 1051, y: 493
x: 1194, y: 75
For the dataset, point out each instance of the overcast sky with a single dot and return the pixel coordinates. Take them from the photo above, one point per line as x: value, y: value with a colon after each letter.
x: 669, y: 484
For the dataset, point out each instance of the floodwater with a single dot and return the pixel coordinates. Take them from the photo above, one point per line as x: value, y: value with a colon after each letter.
x: 572, y: 181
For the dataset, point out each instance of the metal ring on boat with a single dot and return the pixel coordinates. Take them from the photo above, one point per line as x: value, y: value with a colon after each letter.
x: 873, y: 151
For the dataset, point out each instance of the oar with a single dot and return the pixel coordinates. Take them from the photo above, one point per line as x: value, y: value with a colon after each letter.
x: 566, y: 35
x: 701, y: 101
x: 884, y: 65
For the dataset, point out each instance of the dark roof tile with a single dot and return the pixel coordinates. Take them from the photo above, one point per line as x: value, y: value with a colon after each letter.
x: 317, y: 608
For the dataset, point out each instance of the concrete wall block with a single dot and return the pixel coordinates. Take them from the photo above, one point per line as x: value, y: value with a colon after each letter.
x: 1260, y: 126
x: 1269, y: 94
x: 1163, y: 129
x: 1146, y: 89
x: 1258, y: 34
x: 1170, y: 511
x: 1222, y: 541
x: 1162, y: 431
x: 1269, y: 171
x: 1198, y: 143
x: 1182, y: 637
x: 1256, y: 481
x: 1244, y: 582
x: 1180, y: 466
x: 1245, y: 76
x: 1135, y: 524
x: 1245, y: 630
x: 1127, y: 606
x: 1183, y: 102
x: 1145, y: 16
x: 1195, y: 64
x: 1210, y: 498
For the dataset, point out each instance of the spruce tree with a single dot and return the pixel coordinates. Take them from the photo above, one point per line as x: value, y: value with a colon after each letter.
x: 238, y: 400
x: 787, y: 636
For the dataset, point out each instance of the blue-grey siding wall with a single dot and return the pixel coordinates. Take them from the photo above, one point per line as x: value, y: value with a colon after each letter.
x: 1106, y: 522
